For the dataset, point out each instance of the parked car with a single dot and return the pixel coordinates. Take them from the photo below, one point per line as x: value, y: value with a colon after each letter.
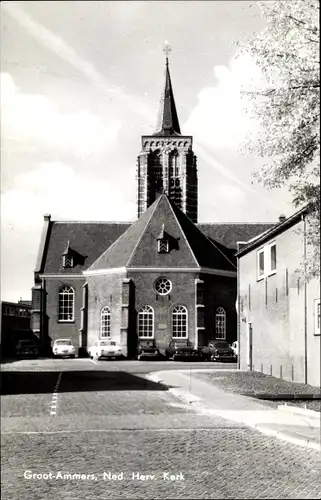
x: 26, y: 348
x: 181, y: 349
x: 105, y: 349
x: 235, y: 347
x: 219, y: 350
x: 147, y: 349
x: 63, y: 347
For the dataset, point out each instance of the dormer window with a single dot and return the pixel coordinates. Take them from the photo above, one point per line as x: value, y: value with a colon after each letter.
x: 67, y: 261
x: 163, y: 241
x: 163, y: 246
x: 68, y: 257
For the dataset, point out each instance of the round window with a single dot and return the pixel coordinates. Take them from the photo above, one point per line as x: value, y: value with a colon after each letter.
x: 163, y: 286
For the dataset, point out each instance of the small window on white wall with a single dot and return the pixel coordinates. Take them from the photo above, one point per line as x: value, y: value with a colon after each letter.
x: 317, y: 317
x: 266, y: 261
x: 260, y: 263
x: 273, y: 257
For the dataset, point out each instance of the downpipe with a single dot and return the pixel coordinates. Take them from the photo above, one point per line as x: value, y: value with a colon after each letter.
x: 305, y: 301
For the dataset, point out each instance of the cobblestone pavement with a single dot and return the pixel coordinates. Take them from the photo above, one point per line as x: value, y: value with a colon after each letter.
x: 114, y: 421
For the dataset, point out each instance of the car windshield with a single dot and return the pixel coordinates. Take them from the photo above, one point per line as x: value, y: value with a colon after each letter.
x: 63, y: 342
x: 221, y: 345
x: 107, y: 342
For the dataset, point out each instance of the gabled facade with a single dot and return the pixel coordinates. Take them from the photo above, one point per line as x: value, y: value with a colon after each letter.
x: 160, y: 277
x: 120, y: 272
x: 180, y: 287
x: 279, y: 313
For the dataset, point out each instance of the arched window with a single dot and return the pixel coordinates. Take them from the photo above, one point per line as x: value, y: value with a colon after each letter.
x: 220, y: 323
x: 173, y: 165
x: 155, y: 171
x: 146, y: 322
x: 66, y: 303
x: 179, y: 316
x: 105, y: 322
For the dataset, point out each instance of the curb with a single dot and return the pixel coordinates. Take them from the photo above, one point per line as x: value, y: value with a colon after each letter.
x: 300, y: 411
x: 186, y: 397
x: 290, y: 437
x: 290, y: 397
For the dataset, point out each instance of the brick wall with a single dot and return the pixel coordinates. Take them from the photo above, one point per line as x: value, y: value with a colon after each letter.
x: 57, y: 329
x: 105, y: 290
x: 275, y: 307
x: 183, y: 293
x: 219, y: 291
x: 112, y: 290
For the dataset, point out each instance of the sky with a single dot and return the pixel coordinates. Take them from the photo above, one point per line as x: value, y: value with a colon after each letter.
x: 82, y: 81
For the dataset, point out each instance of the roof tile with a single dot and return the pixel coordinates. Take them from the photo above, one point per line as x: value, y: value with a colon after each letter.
x: 111, y: 244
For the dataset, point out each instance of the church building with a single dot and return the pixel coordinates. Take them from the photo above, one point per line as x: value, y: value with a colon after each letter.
x: 163, y: 277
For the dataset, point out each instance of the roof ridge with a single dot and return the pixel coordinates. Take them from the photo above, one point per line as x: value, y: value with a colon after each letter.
x: 142, y: 233
x: 236, y: 223
x: 93, y: 222
x: 288, y: 222
x: 179, y: 225
x: 211, y: 242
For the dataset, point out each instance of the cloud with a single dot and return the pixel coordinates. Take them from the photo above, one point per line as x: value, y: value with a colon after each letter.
x: 68, y: 54
x: 222, y: 201
x: 52, y: 188
x: 34, y: 120
x: 219, y: 120
x: 56, y: 188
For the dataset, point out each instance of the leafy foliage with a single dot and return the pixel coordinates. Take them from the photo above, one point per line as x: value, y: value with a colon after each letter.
x: 286, y: 107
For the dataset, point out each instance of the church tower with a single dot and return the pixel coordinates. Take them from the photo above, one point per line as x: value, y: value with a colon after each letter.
x: 166, y: 162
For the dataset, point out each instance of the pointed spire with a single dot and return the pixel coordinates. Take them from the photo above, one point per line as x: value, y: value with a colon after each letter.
x: 168, y: 119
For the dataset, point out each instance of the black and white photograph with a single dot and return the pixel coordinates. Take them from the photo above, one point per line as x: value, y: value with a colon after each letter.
x: 160, y: 249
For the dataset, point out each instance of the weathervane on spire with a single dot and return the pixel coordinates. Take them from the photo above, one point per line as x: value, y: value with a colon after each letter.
x: 167, y: 50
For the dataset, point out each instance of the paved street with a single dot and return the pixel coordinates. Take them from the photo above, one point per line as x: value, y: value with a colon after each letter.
x: 91, y: 421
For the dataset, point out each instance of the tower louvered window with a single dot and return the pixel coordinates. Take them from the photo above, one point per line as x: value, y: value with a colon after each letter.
x: 175, y: 192
x: 173, y: 165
